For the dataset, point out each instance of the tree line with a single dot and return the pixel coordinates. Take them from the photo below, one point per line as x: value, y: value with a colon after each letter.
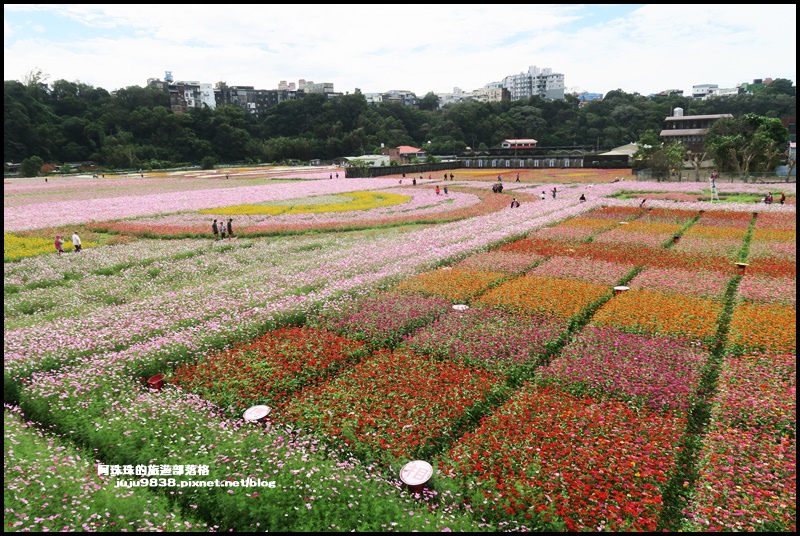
x: 134, y: 127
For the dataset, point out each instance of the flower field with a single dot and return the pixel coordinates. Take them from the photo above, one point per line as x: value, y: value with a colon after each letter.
x: 562, y: 366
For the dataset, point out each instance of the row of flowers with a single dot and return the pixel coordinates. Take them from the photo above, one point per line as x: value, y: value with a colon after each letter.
x: 594, y: 455
x: 309, y: 485
x: 301, y: 272
x: 50, y: 485
x: 748, y: 469
x: 552, y: 459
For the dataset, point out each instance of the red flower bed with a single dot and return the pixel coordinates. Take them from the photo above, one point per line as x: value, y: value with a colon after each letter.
x: 268, y: 369
x: 396, y: 405
x: 547, y: 456
x: 622, y: 253
x: 773, y: 267
x: 616, y: 213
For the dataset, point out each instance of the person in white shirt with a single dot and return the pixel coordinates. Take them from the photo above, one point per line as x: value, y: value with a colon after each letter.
x: 76, y: 241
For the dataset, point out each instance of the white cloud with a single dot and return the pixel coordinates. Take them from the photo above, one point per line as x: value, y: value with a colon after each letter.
x: 417, y: 47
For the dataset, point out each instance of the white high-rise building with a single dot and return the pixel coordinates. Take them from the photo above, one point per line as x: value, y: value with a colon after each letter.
x: 536, y: 82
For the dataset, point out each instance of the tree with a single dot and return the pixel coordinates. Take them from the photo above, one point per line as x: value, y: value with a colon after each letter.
x: 749, y: 142
x: 31, y: 167
x: 781, y: 86
x: 791, y: 162
x: 649, y: 143
x: 675, y: 154
x: 696, y: 160
x: 429, y: 102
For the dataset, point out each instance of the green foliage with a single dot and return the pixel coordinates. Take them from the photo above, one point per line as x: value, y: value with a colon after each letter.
x: 207, y: 162
x: 31, y: 167
x: 750, y: 142
x: 135, y: 127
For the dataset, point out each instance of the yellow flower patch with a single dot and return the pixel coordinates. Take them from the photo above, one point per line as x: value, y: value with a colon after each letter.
x: 713, y: 231
x: 775, y: 235
x: 345, y: 203
x: 456, y: 284
x: 646, y: 311
x: 547, y: 296
x: 651, y: 227
x: 20, y: 247
x: 764, y: 328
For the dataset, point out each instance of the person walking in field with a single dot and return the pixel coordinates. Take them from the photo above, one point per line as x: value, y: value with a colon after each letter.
x: 514, y: 203
x: 59, y: 243
x: 76, y: 241
x: 230, y: 228
x: 215, y: 230
x: 222, y: 230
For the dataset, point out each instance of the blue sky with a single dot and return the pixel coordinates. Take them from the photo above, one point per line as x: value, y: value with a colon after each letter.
x: 643, y: 48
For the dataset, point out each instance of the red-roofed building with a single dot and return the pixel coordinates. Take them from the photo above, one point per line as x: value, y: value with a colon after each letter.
x: 404, y: 153
x: 519, y: 144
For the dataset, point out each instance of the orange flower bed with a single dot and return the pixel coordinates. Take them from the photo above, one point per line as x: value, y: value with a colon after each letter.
x: 546, y: 296
x: 646, y: 311
x: 456, y: 284
x: 763, y: 328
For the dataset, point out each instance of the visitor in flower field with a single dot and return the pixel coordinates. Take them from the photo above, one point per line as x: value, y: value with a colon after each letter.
x: 76, y: 241
x: 445, y: 190
x: 768, y: 198
x: 517, y: 178
x: 582, y: 198
x: 554, y: 192
x: 59, y: 244
x: 451, y: 176
x: 437, y: 190
x: 230, y: 228
x: 414, y: 181
x: 215, y: 230
x: 222, y: 230
x: 514, y: 203
x: 543, y: 196
x: 783, y: 198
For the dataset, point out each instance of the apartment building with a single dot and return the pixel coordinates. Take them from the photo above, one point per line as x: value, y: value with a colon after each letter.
x: 535, y: 82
